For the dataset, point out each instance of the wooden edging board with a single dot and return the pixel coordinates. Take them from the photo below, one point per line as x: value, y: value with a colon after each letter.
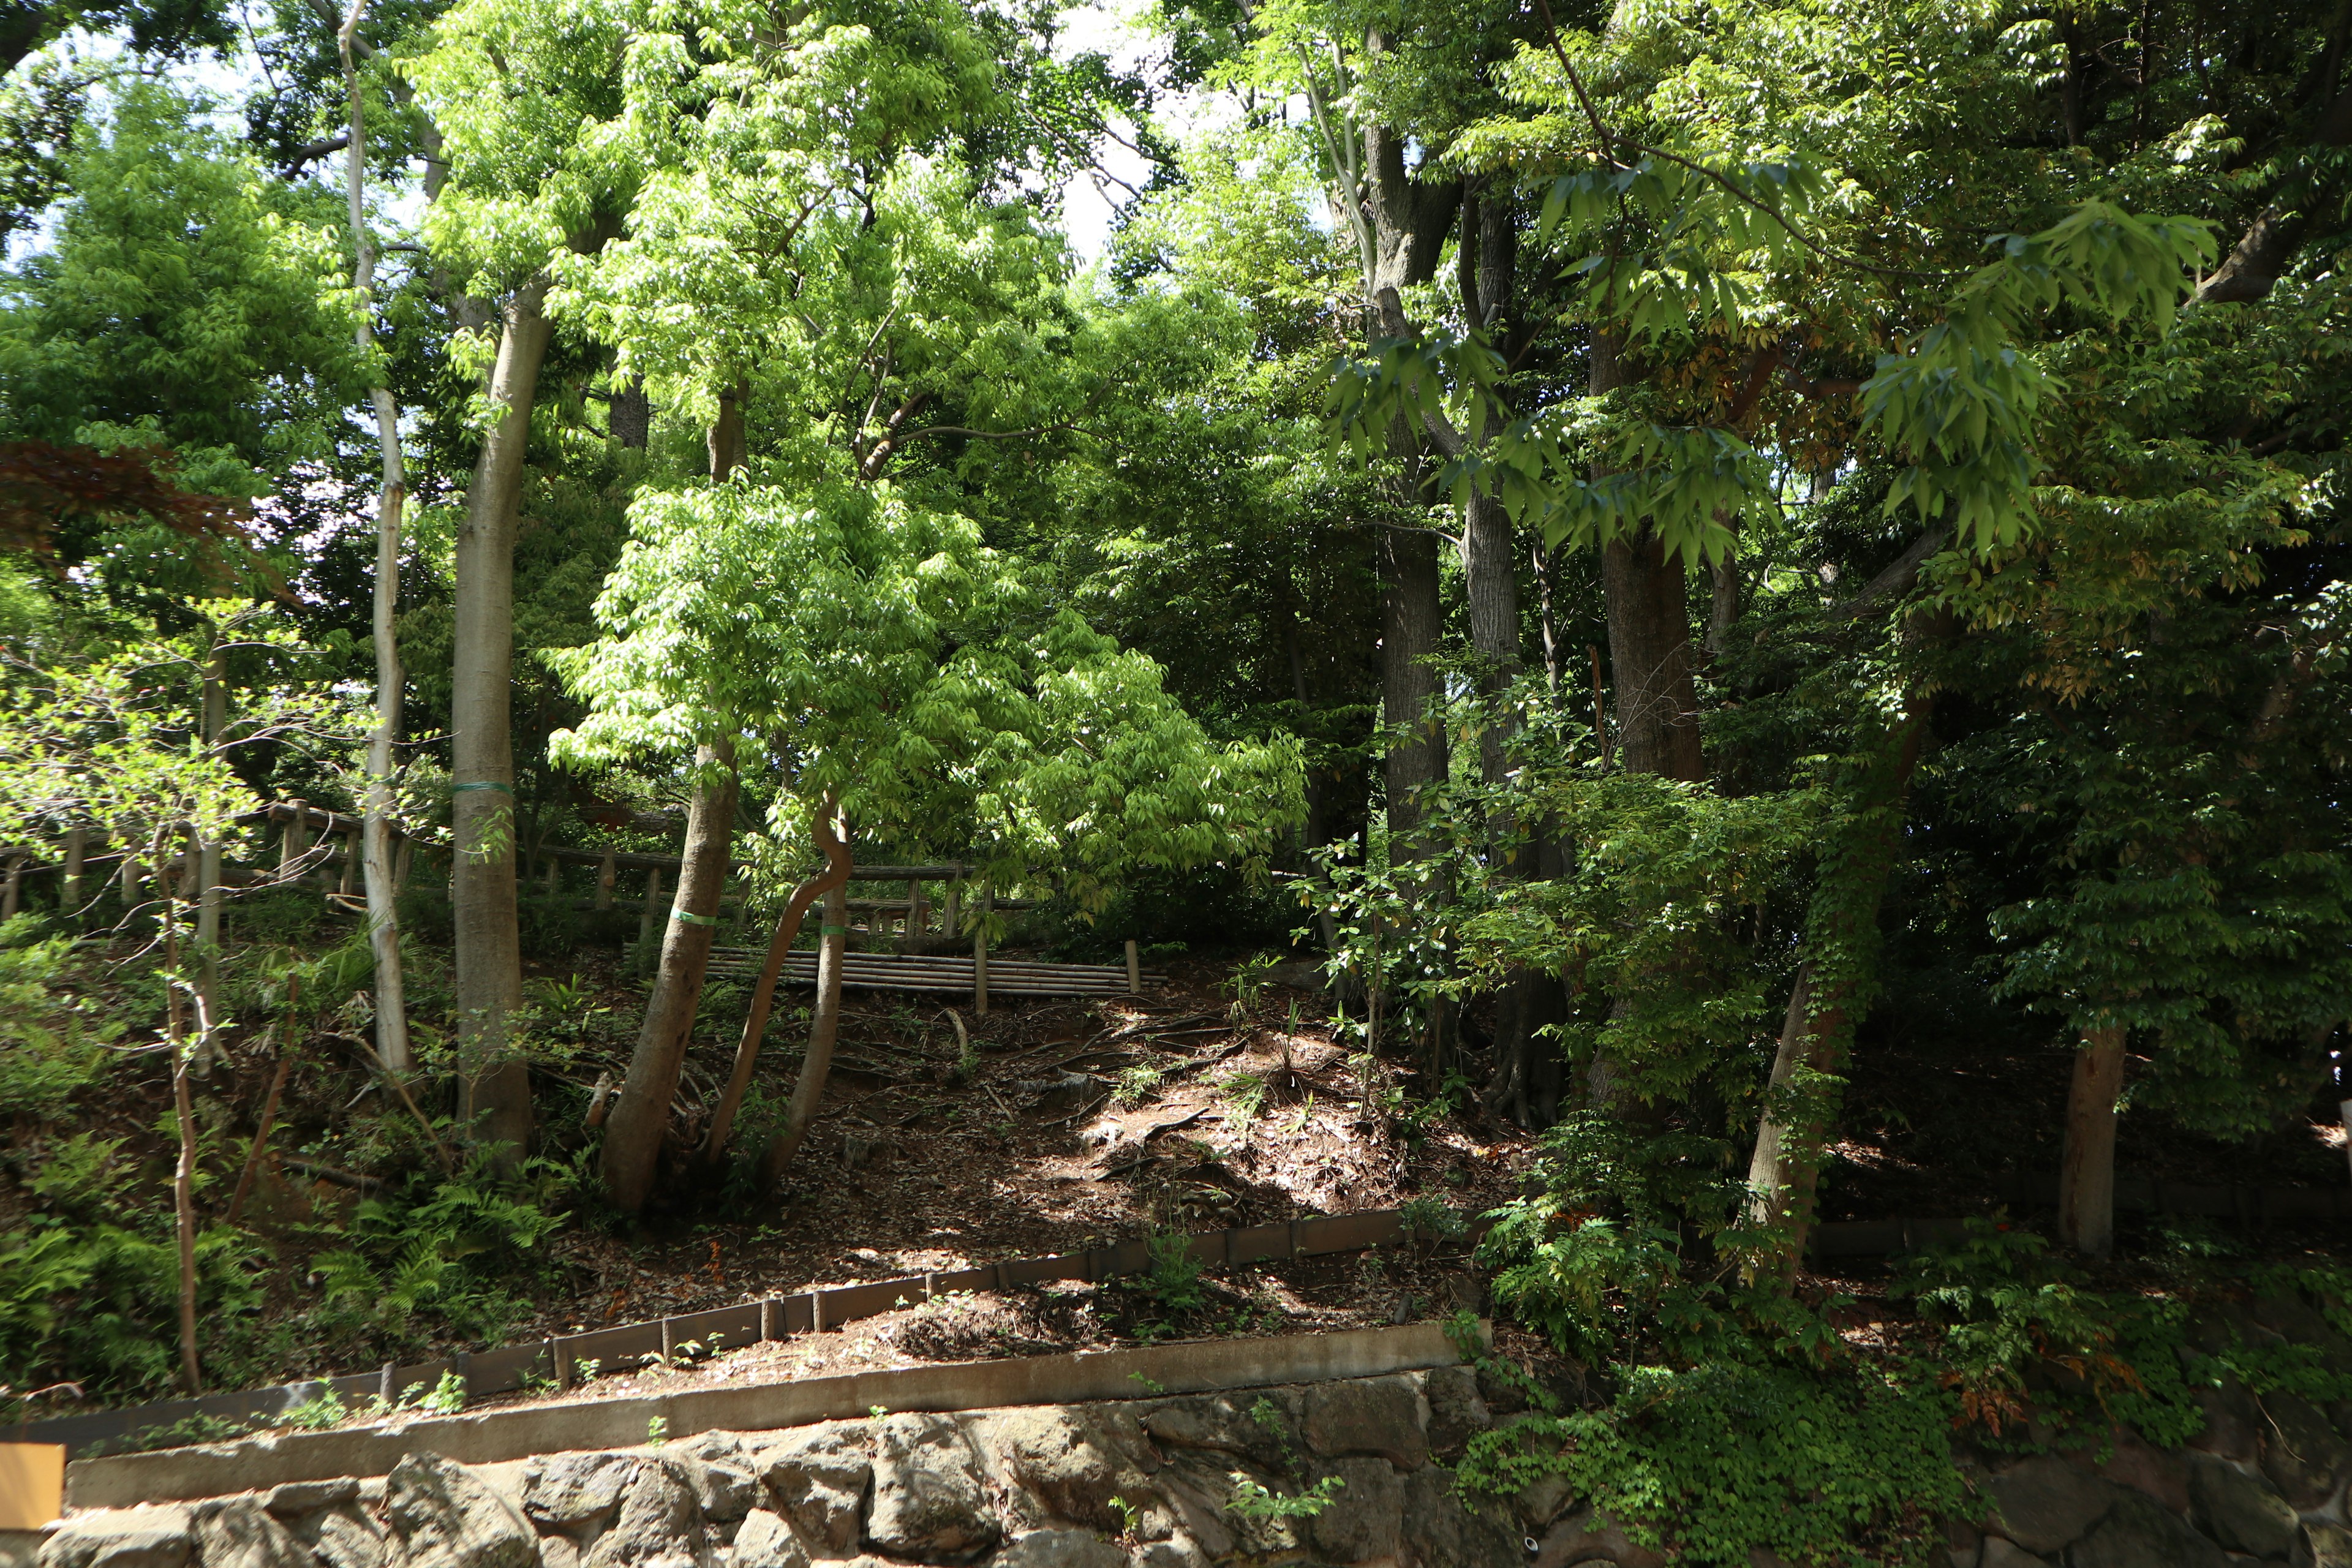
x: 559, y: 1358
x: 1192, y: 1367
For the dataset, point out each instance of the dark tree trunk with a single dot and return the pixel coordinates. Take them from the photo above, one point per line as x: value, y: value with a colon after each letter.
x: 2086, y: 1178
x: 1411, y: 617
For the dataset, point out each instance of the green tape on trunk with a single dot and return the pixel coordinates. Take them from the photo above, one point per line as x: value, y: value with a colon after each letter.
x: 483, y: 783
x: 832, y: 930
x: 692, y: 919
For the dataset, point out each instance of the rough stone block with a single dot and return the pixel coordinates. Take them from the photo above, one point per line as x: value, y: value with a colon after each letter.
x: 144, y: 1537
x: 2137, y: 1533
x: 818, y: 1477
x: 1073, y: 1462
x: 446, y: 1517
x: 344, y: 1536
x: 238, y: 1532
x: 659, y: 1525
x: 2303, y: 1453
x: 2233, y: 1424
x: 2046, y: 1504
x: 1440, y: 1530
x: 2241, y: 1511
x: 765, y: 1541
x: 1456, y: 1413
x: 1365, y: 1523
x: 1059, y: 1549
x: 296, y: 1498
x: 927, y: 1497
x: 1379, y: 1417
x: 570, y: 1491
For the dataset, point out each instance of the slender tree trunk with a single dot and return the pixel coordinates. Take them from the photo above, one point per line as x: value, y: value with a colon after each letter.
x: 183, y: 1171
x: 763, y: 994
x: 383, y: 903
x: 1841, y: 939
x: 208, y: 859
x: 633, y: 1132
x: 2086, y: 1178
x: 496, y: 1080
x: 817, y: 1065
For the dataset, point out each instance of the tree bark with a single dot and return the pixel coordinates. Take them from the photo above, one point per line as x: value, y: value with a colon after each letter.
x: 1412, y: 617
x: 632, y: 1134
x: 630, y: 416
x: 183, y: 1170
x: 725, y: 441
x: 208, y: 858
x: 496, y: 1105
x: 382, y: 904
x: 1649, y: 657
x: 2086, y: 1178
x: 1784, y: 1172
x: 822, y: 1030
x: 788, y: 929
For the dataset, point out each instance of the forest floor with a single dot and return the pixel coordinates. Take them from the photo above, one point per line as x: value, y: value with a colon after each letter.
x: 1218, y: 1097
x: 1068, y: 1124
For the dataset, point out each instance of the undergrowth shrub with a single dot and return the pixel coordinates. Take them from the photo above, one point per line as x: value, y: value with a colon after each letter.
x: 50, y: 1046
x: 1712, y: 1462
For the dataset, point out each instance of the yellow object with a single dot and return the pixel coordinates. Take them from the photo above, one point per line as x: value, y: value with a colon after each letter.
x: 32, y: 1484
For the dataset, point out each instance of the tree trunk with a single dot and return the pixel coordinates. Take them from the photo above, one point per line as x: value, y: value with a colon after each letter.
x: 1842, y: 937
x: 208, y: 859
x: 1412, y: 620
x: 383, y: 905
x: 725, y: 441
x: 183, y: 1170
x: 632, y: 1134
x: 630, y: 416
x: 496, y: 1105
x: 1650, y: 658
x: 788, y: 929
x: 823, y: 1030
x: 2086, y: 1177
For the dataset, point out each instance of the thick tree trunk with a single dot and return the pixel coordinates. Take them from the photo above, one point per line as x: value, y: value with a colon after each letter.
x: 2086, y: 1176
x: 1412, y: 618
x: 1650, y: 658
x: 630, y: 416
x: 817, y: 1065
x: 632, y: 1134
x: 496, y: 1105
x: 788, y: 929
x: 383, y: 905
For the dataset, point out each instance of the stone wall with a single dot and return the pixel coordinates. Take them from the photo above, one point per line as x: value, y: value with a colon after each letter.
x: 1145, y: 1483
x: 2263, y: 1482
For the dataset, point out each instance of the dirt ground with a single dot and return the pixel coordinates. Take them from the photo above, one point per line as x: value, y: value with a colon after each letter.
x: 1066, y: 1124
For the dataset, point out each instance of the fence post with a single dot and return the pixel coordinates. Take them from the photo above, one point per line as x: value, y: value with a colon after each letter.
x: 605, y: 872
x: 13, y: 890
x: 297, y: 837
x: 351, y: 853
x: 77, y: 849
x: 1134, y: 968
x: 979, y: 960
x: 645, y: 926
